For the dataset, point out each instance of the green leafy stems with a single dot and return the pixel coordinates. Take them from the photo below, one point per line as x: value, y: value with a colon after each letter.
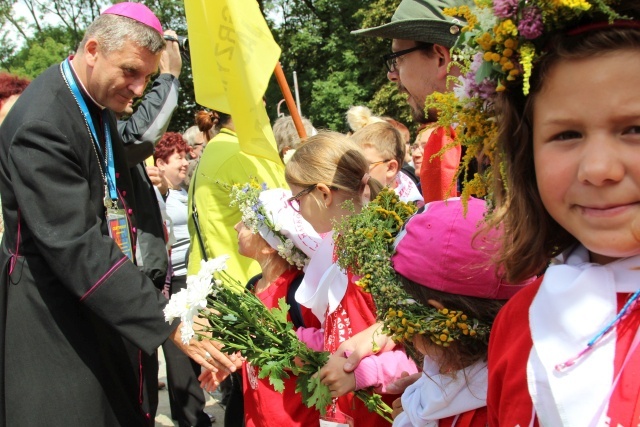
x: 365, y: 244
x: 238, y: 319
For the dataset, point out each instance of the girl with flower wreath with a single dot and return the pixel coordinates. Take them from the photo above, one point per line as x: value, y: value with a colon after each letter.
x: 453, y: 274
x: 564, y: 351
x: 281, y: 241
x: 324, y: 173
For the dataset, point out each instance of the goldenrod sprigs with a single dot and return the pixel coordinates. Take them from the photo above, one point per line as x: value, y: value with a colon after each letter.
x: 364, y: 241
x: 497, y: 51
x: 365, y: 244
x: 442, y: 327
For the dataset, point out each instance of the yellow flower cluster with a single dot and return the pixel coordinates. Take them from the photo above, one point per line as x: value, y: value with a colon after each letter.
x: 508, y: 46
x: 583, y: 5
x: 479, y: 136
x: 364, y: 242
x: 465, y: 13
x: 441, y: 326
x: 527, y: 54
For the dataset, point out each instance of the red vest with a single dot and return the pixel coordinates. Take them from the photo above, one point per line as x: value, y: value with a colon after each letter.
x: 508, y: 399
x: 263, y: 406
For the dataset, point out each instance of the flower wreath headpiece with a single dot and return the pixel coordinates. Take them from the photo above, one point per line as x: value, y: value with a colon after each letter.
x: 255, y: 216
x: 364, y: 244
x: 497, y: 51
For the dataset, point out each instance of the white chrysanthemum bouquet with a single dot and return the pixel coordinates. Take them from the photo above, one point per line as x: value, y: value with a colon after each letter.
x: 224, y: 309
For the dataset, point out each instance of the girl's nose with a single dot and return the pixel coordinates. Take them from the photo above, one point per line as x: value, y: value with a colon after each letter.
x: 600, y: 161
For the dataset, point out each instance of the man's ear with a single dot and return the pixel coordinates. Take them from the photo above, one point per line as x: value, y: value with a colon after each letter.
x: 443, y: 55
x: 325, y: 191
x: 91, y: 49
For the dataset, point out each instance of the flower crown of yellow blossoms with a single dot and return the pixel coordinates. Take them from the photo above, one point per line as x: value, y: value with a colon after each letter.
x: 496, y: 51
x: 365, y: 244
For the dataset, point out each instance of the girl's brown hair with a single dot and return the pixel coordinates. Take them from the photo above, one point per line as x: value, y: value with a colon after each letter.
x: 458, y: 355
x: 531, y: 236
x: 331, y: 158
x: 207, y: 120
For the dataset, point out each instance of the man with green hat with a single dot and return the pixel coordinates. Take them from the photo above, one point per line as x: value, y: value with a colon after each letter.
x: 419, y: 64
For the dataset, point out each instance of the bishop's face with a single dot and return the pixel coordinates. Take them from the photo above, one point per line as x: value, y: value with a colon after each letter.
x: 116, y: 77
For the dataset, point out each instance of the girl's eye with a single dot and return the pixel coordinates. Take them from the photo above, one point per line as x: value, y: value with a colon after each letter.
x: 565, y: 136
x: 633, y: 130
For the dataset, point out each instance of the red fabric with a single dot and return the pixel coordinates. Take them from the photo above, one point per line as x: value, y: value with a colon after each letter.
x: 624, y: 406
x: 355, y: 313
x: 263, y: 406
x: 473, y: 418
x: 436, y: 176
x: 508, y: 398
x: 510, y: 343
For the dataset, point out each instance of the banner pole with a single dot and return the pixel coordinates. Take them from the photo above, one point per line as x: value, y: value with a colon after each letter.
x: 296, y: 91
x: 291, y: 104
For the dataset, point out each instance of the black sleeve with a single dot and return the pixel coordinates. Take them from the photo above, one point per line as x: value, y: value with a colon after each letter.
x: 55, y: 200
x: 149, y: 122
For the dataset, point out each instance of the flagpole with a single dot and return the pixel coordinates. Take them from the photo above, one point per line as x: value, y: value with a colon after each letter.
x: 291, y: 104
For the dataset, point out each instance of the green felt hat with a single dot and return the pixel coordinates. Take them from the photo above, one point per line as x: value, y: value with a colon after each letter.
x: 421, y: 20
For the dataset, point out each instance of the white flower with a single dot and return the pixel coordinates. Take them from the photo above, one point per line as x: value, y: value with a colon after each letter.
x: 186, y: 332
x: 176, y: 306
x: 207, y: 268
x: 197, y: 292
x: 180, y: 306
x: 186, y: 303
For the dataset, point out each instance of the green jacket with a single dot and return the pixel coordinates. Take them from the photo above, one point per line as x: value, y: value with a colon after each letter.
x: 223, y: 162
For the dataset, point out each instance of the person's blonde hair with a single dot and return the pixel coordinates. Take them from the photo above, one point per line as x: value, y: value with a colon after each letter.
x: 384, y: 138
x: 332, y: 159
x: 360, y: 116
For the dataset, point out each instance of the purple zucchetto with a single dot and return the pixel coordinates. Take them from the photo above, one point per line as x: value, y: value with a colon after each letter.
x: 137, y: 12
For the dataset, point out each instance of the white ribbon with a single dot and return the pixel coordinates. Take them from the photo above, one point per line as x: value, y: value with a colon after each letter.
x: 575, y: 302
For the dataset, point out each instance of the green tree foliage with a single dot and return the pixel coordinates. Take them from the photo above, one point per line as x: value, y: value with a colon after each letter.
x: 49, y: 46
x: 335, y: 69
x: 51, y: 32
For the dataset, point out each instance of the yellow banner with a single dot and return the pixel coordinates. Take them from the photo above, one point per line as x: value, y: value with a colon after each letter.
x: 233, y: 55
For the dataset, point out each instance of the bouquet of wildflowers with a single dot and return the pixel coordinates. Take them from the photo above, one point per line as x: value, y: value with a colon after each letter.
x: 496, y: 51
x: 225, y: 310
x: 365, y: 244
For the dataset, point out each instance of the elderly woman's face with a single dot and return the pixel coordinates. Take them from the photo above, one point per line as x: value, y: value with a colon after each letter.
x: 175, y: 168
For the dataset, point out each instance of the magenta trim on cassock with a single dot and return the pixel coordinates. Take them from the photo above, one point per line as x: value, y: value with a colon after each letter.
x: 14, y: 256
x: 104, y: 277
